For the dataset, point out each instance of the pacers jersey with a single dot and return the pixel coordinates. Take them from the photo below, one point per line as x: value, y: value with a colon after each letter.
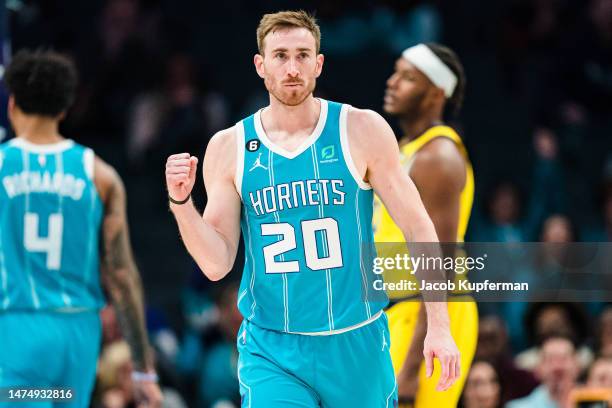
x: 306, y: 222
x: 385, y: 228
x: 50, y: 215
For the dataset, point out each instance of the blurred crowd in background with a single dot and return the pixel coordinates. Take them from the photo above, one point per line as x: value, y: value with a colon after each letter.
x: 161, y: 77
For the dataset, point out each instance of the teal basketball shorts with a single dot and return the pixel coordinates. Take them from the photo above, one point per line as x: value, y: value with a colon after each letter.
x: 350, y: 369
x: 45, y: 350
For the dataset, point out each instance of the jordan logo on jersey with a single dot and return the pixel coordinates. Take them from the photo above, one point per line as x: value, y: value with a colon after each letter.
x: 257, y: 164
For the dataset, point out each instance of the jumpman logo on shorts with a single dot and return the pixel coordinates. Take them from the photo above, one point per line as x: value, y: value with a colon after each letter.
x: 384, y: 343
x: 257, y: 163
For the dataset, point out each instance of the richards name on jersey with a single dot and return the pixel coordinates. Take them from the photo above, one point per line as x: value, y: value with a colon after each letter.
x: 28, y: 182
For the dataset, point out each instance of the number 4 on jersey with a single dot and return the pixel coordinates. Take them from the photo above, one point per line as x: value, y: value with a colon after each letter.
x: 52, y: 244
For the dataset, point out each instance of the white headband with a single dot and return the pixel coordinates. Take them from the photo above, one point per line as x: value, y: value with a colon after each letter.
x: 429, y: 64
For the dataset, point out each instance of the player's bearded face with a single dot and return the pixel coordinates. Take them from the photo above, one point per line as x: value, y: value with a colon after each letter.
x: 291, y: 65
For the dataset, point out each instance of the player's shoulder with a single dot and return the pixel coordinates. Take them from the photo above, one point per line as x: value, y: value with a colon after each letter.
x: 367, y: 118
x: 369, y: 133
x: 106, y: 178
x: 439, y: 160
x: 224, y: 141
x: 441, y: 150
x: 221, y: 154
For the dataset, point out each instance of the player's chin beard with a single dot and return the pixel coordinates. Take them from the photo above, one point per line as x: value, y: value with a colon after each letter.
x: 291, y: 98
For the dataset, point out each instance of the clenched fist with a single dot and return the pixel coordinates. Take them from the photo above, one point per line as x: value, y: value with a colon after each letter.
x: 181, y: 175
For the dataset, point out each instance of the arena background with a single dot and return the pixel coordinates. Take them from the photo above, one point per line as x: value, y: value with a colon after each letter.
x: 159, y: 77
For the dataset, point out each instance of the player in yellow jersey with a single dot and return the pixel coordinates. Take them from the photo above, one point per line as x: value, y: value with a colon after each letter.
x: 429, y: 79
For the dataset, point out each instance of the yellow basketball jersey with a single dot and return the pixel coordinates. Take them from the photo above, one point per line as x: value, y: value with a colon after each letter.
x: 385, y: 230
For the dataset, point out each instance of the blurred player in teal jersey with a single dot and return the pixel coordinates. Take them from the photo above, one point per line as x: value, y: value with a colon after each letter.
x: 298, y: 178
x: 56, y: 200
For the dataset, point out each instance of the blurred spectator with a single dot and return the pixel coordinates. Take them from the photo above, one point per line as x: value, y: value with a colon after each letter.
x: 163, y: 340
x: 558, y: 229
x: 482, y: 387
x: 544, y: 271
x: 506, y: 221
x: 604, y: 333
x: 555, y: 319
x: 208, y: 356
x: 114, y: 385
x: 558, y: 370
x: 493, y: 347
x: 600, y: 373
x: 114, y: 376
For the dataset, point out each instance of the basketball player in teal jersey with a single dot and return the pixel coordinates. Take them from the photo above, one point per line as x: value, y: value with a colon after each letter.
x: 56, y: 199
x: 297, y: 177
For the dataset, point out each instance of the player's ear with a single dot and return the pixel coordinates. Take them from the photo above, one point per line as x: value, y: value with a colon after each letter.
x: 319, y: 66
x: 440, y: 95
x: 11, y: 107
x: 259, y: 65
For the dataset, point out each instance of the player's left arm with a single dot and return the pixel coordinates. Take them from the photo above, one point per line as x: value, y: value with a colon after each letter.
x: 439, y: 174
x: 121, y: 279
x: 376, y: 155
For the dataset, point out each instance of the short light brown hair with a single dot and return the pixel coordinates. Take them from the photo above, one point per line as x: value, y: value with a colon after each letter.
x: 287, y: 19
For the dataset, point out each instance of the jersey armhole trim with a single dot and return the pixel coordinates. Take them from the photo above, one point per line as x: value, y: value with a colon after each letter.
x: 239, y: 157
x: 346, y: 151
x: 88, y: 163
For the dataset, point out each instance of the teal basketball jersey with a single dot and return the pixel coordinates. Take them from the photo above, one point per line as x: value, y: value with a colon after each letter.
x: 50, y: 215
x: 307, y: 226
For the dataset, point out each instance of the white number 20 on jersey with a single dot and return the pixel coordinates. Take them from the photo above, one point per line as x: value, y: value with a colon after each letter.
x: 311, y: 255
x: 52, y: 244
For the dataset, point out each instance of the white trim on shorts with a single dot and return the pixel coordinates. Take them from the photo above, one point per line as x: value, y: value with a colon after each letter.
x: 344, y: 330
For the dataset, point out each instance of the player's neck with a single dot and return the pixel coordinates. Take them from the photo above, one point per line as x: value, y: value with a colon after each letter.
x: 291, y: 119
x: 413, y: 128
x: 38, y: 130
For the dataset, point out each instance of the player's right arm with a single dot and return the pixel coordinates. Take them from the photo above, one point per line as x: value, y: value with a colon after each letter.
x: 212, y: 238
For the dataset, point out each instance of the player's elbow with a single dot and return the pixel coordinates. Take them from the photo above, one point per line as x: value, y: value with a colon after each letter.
x: 214, y: 272
x: 215, y: 275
